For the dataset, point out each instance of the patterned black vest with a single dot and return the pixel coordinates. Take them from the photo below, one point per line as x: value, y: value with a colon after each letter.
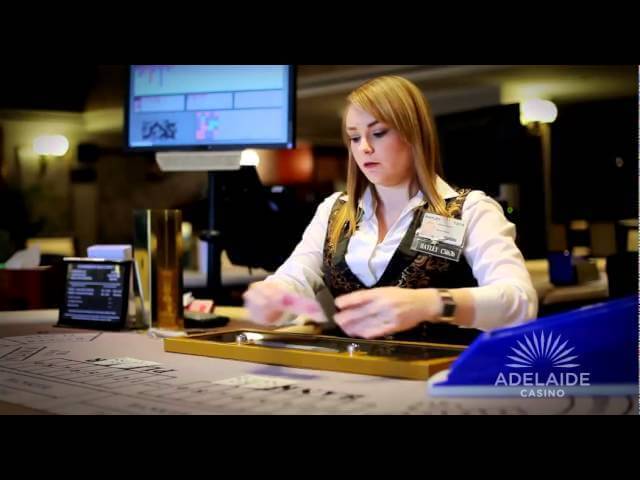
x: 406, y: 269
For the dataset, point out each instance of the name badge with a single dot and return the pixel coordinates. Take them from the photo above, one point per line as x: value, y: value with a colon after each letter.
x: 440, y: 236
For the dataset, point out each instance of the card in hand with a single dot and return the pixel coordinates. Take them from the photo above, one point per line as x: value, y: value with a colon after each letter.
x: 301, y: 305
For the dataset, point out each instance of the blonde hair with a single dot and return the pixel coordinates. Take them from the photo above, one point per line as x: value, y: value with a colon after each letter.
x: 402, y: 106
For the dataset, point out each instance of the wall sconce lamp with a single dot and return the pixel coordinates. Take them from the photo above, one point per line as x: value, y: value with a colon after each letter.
x: 49, y: 146
x: 537, y: 111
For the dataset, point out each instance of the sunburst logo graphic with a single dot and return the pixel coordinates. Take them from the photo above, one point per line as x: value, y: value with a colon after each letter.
x: 536, y: 350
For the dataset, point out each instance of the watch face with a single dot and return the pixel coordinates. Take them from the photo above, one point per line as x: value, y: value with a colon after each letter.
x: 449, y: 309
x: 448, y: 305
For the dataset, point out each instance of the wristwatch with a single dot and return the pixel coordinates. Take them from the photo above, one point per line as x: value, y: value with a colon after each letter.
x: 448, y: 306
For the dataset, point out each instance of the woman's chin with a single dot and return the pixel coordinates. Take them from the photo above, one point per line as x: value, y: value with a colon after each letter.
x: 380, y: 181
x: 377, y: 178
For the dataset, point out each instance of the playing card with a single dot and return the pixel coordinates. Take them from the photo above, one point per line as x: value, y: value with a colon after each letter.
x: 301, y: 305
x: 202, y: 306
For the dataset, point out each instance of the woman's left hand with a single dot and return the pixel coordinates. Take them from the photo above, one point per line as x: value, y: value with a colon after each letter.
x: 383, y: 311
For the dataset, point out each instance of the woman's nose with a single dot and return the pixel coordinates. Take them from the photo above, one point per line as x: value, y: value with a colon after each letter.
x: 365, y: 147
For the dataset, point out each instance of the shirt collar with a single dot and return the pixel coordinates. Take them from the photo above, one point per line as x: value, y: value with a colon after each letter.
x: 368, y: 201
x: 444, y: 189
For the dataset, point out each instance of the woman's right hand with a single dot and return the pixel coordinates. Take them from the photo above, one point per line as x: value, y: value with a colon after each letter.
x: 264, y: 301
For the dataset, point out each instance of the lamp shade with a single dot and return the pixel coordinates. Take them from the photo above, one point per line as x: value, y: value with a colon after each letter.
x: 54, y: 145
x: 537, y: 110
x: 249, y: 157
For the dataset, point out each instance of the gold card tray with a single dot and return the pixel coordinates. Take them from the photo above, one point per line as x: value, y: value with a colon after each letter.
x: 384, y: 358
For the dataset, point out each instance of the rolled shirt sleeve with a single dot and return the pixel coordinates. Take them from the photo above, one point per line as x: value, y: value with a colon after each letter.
x: 505, y: 295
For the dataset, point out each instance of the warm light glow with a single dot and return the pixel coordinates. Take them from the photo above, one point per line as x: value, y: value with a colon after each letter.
x: 187, y: 230
x: 537, y: 110
x: 54, y: 145
x: 250, y: 158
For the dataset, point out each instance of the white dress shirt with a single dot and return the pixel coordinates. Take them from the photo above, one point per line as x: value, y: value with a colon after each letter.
x: 504, y: 296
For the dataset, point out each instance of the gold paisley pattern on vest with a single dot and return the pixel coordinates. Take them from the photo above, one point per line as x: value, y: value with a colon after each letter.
x: 418, y: 274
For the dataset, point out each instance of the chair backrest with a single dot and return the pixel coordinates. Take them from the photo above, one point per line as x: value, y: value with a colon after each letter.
x: 244, y: 218
x: 603, y: 239
x: 558, y: 238
x: 63, y: 246
x: 622, y: 274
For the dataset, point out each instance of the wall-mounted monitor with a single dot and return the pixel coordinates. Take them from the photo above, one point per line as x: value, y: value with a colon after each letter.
x: 210, y: 107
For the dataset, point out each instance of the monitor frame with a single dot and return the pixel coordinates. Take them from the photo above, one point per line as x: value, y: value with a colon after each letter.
x: 291, y: 127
